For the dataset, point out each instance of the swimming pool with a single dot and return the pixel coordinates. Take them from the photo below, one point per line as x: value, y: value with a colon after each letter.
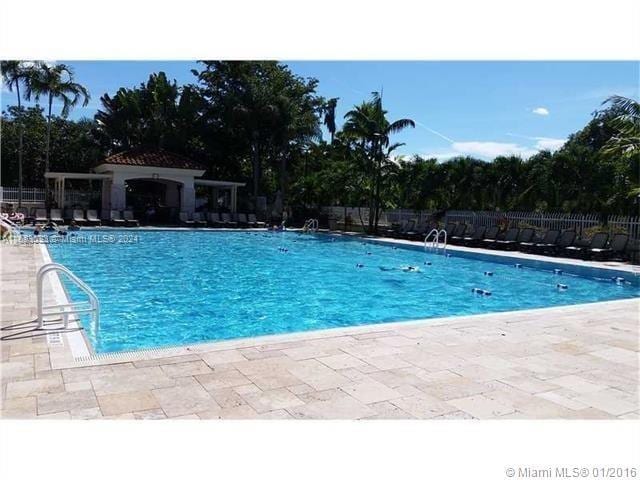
x: 171, y: 288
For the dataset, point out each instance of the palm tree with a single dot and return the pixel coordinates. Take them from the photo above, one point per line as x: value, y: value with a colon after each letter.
x: 330, y: 116
x: 14, y: 73
x: 626, y: 140
x: 55, y: 82
x: 368, y: 125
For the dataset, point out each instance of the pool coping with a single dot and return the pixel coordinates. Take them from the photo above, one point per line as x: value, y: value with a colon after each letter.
x: 80, y: 352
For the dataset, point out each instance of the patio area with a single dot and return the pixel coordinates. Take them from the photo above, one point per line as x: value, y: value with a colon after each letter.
x: 578, y: 362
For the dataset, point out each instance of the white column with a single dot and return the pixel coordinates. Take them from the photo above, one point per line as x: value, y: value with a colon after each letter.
x: 118, y: 194
x: 61, y: 193
x: 234, y: 198
x: 106, y: 198
x: 188, y: 196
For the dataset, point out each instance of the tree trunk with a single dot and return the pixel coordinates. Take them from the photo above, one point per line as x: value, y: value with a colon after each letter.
x: 283, y: 179
x: 20, y: 142
x: 372, y: 190
x: 376, y: 197
x: 46, y: 158
x: 256, y: 169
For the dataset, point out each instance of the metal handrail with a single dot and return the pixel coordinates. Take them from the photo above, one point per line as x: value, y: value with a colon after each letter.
x: 435, y: 242
x: 312, y: 224
x: 74, y: 307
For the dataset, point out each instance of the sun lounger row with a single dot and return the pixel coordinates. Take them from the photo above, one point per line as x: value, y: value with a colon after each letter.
x: 77, y: 216
x: 220, y: 220
x: 123, y: 218
x: 554, y: 242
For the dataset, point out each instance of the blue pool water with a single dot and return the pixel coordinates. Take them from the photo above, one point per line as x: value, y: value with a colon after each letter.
x: 180, y: 287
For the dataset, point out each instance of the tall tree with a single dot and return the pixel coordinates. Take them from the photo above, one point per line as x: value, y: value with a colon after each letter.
x: 329, y: 120
x: 56, y: 82
x: 626, y: 122
x: 156, y: 114
x: 368, y: 125
x: 258, y: 111
x: 14, y: 73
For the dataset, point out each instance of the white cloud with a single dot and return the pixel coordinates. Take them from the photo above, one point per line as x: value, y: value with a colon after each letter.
x: 552, y: 144
x: 492, y: 149
x: 540, y: 111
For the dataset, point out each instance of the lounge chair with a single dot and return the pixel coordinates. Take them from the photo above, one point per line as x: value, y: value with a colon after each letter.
x: 489, y: 241
x: 214, y: 219
x: 458, y: 233
x: 226, y: 220
x: 616, y: 249
x: 92, y: 218
x: 408, y: 227
x: 198, y: 219
x: 550, y: 238
x: 396, y: 229
x: 41, y: 216
x: 510, y: 237
x: 129, y: 219
x: 185, y: 220
x: 449, y: 228
x: 476, y: 236
x: 598, y: 242
x: 242, y: 220
x: 417, y: 233
x: 55, y: 216
x: 115, y: 218
x: 566, y: 239
x: 78, y: 217
x: 525, y: 235
x: 253, y: 221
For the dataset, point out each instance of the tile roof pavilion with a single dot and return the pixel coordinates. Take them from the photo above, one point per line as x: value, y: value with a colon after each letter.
x: 179, y: 173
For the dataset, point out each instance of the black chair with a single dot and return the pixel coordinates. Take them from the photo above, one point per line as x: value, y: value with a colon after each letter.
x: 489, y: 238
x: 457, y: 238
x: 616, y: 249
x: 408, y: 227
x: 417, y: 233
x: 598, y: 242
x: 478, y: 235
x: 567, y: 239
x: 550, y: 238
x: 449, y: 228
x: 525, y: 235
x: 510, y: 237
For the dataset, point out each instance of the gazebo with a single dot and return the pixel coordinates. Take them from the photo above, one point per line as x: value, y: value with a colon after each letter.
x: 176, y: 175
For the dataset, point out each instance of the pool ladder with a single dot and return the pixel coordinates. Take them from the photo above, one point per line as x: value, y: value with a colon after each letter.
x: 66, y: 310
x: 432, y: 240
x: 312, y: 224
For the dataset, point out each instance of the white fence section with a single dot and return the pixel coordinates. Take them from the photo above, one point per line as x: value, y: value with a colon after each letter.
x: 29, y: 195
x: 36, y: 196
x: 542, y: 221
x: 387, y: 217
x: 549, y: 220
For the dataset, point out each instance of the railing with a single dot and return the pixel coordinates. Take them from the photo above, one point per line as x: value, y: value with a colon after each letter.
x: 29, y: 195
x: 65, y: 310
x: 311, y: 224
x: 539, y: 220
x: 548, y: 220
x: 37, y: 195
x: 435, y: 241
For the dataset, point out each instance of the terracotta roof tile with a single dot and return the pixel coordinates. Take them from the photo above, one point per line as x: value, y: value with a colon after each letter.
x: 153, y: 158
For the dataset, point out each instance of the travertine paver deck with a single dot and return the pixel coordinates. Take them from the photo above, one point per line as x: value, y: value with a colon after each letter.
x: 572, y: 362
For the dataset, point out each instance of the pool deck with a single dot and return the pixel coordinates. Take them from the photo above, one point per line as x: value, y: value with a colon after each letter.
x: 575, y: 362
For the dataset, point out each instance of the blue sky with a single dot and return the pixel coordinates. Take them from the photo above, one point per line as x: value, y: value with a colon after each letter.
x: 477, y: 108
